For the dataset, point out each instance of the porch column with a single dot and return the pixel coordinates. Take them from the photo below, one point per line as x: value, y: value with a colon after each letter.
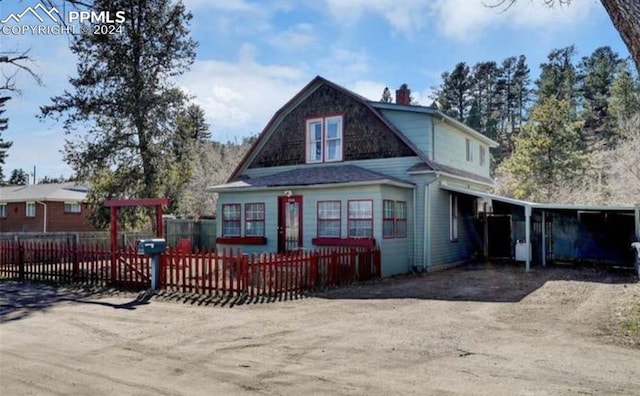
x: 544, y: 239
x: 636, y: 215
x: 527, y: 235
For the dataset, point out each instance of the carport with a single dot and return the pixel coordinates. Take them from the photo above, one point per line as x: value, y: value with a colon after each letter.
x: 556, y: 231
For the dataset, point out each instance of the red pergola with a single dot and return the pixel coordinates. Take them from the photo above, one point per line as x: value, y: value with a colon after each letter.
x: 116, y: 204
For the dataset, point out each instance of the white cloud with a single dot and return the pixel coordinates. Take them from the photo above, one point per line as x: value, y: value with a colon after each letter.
x: 406, y: 16
x: 240, y: 97
x: 371, y: 90
x: 343, y: 64
x: 299, y: 36
x: 461, y: 20
x: 464, y: 20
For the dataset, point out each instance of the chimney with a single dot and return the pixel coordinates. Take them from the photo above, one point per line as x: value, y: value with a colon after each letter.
x: 403, y: 95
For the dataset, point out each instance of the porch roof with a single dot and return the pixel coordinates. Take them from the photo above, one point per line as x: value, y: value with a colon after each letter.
x: 312, y: 176
x: 536, y: 205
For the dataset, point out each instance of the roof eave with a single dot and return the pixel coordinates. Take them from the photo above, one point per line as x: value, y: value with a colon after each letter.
x: 311, y: 186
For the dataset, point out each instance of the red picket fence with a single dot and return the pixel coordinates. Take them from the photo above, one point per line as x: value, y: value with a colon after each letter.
x: 230, y: 272
x: 219, y: 273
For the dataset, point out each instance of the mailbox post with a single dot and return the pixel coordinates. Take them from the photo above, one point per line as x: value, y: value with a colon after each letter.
x: 153, y: 248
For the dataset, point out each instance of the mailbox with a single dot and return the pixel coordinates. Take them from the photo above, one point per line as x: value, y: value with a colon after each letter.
x: 152, y: 247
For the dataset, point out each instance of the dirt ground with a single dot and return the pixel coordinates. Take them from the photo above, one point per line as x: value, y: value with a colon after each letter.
x: 478, y: 330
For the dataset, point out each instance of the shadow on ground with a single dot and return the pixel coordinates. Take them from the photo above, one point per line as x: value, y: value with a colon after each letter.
x: 21, y: 299
x: 479, y: 282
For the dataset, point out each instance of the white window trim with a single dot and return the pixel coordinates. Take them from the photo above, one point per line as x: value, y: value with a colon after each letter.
x: 3, y: 210
x: 453, y: 217
x: 469, y: 150
x: 308, y: 140
x: 72, y: 203
x: 483, y: 155
x: 26, y: 209
x: 324, y: 122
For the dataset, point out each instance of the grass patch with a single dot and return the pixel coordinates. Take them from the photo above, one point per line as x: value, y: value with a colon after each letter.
x: 632, y: 323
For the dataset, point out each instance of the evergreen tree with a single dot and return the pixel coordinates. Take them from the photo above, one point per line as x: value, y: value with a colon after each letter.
x: 596, y: 74
x: 558, y: 77
x: 484, y: 114
x: 125, y: 90
x: 18, y: 178
x: 547, y: 152
x: 453, y: 95
x: 624, y: 99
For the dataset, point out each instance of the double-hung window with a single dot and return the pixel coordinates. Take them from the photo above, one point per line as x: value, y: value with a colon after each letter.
x: 401, y: 219
x: 231, y: 216
x: 324, y: 139
x: 72, y: 207
x: 329, y: 219
x: 254, y: 219
x: 3, y: 210
x: 394, y: 219
x: 469, y: 152
x: 388, y: 219
x: 360, y: 220
x: 30, y: 209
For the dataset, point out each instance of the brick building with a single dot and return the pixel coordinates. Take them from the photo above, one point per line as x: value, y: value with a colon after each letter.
x: 57, y: 207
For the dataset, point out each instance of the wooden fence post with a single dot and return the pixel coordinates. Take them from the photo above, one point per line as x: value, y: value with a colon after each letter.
x: 20, y: 262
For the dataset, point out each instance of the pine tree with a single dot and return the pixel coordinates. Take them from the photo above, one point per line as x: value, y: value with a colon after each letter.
x: 547, y: 152
x: 453, y: 94
x: 596, y: 75
x: 624, y: 100
x: 18, y: 178
x: 558, y: 77
x: 126, y: 92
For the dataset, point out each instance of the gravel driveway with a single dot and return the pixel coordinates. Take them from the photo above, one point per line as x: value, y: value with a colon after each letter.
x: 483, y: 330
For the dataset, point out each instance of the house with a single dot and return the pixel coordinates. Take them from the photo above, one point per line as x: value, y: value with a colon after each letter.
x: 56, y: 207
x: 332, y: 168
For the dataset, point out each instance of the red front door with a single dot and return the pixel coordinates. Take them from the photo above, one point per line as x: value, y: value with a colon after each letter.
x: 289, y: 223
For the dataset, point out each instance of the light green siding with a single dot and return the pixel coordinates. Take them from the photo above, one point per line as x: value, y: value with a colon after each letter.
x: 397, y: 253
x: 451, y: 150
x: 415, y: 126
x: 444, y: 251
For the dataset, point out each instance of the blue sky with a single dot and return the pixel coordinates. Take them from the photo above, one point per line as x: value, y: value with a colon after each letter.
x: 254, y: 55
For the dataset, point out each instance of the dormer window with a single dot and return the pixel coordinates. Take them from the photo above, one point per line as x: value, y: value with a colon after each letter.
x: 324, y: 139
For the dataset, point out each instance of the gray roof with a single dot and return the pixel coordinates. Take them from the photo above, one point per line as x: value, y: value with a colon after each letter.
x: 60, y: 192
x: 437, y: 167
x: 314, y: 175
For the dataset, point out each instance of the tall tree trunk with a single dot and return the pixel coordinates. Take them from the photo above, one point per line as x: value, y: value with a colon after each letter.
x: 625, y: 15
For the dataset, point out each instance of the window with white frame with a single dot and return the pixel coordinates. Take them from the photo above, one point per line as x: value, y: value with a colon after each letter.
x: 483, y: 155
x: 254, y: 219
x: 231, y: 216
x: 401, y: 219
x: 324, y: 139
x: 388, y: 219
x: 30, y: 209
x: 453, y: 217
x: 3, y: 210
x: 72, y: 207
x: 469, y: 152
x: 329, y: 219
x: 360, y: 219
